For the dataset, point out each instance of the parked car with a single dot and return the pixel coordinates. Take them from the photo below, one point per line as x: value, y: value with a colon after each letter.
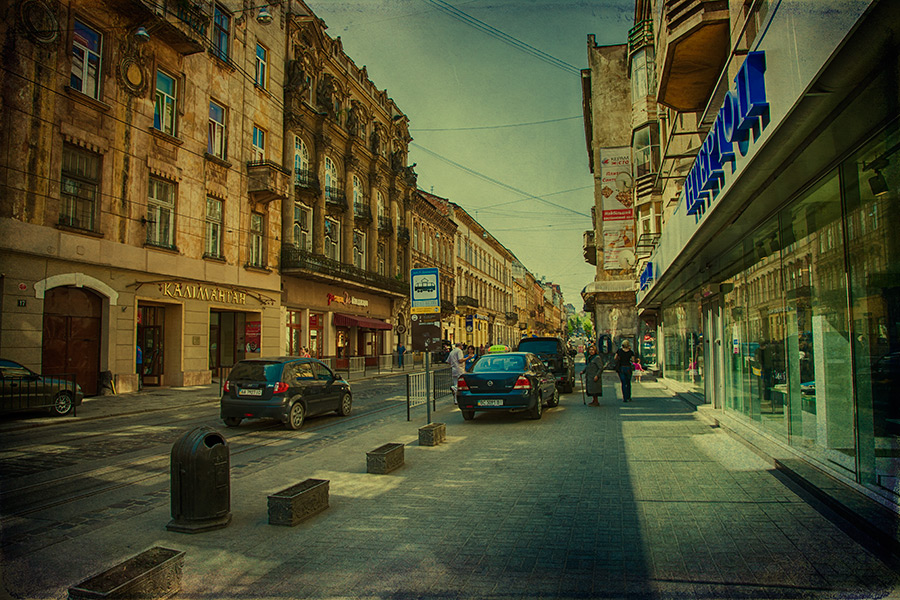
x: 23, y: 389
x: 558, y: 358
x: 287, y: 388
x: 510, y: 381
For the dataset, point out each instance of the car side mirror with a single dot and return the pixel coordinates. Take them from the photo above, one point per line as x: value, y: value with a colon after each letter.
x: 337, y: 377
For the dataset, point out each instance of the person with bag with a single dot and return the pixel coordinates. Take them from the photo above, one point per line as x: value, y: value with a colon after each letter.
x: 625, y: 368
x: 593, y: 376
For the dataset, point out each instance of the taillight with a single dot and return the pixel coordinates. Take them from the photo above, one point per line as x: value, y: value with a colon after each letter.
x: 461, y: 384
x: 280, y: 387
x: 227, y: 387
x: 522, y: 383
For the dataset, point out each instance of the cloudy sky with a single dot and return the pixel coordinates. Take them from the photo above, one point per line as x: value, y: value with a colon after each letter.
x: 493, y: 93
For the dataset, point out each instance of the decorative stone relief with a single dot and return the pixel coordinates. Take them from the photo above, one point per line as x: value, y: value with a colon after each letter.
x: 131, y: 71
x: 38, y: 20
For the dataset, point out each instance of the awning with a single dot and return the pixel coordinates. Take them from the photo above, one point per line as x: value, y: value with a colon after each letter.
x: 341, y: 320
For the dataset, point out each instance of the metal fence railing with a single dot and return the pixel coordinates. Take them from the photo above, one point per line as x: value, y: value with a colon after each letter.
x: 417, y: 393
x: 37, y: 391
x: 356, y: 364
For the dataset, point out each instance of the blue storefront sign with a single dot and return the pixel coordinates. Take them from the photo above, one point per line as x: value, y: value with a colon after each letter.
x: 744, y: 114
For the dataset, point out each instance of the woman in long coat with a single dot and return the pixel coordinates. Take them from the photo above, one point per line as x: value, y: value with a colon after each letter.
x: 593, y: 376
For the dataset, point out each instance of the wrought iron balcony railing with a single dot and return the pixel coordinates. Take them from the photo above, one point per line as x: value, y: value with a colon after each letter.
x: 306, y: 179
x: 467, y: 301
x: 335, y: 196
x: 293, y: 258
x: 403, y: 234
x: 385, y: 225
x: 362, y: 212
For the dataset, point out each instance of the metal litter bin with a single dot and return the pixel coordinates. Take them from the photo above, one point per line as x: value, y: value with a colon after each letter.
x: 200, y: 482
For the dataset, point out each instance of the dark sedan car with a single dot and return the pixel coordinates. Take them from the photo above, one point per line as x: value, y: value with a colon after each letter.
x: 509, y: 381
x: 287, y: 388
x: 23, y: 389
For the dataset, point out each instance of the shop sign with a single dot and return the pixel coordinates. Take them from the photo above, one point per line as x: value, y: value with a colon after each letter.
x: 347, y: 299
x: 189, y: 291
x: 253, y: 335
x: 646, y: 276
x: 744, y: 111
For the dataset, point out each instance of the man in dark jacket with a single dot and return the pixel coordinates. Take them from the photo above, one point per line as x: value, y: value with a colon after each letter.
x: 625, y: 368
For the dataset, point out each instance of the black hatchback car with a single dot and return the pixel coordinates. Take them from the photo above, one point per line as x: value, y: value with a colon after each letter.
x: 556, y: 355
x: 287, y: 388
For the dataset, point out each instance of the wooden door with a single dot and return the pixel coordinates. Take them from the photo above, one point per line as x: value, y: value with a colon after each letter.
x: 71, y: 336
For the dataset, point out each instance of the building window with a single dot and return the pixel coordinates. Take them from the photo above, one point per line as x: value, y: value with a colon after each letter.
x: 303, y: 227
x: 213, y: 241
x: 415, y: 237
x: 331, y: 180
x: 215, y: 144
x: 259, y: 144
x: 164, y: 109
x: 359, y: 200
x: 381, y: 262
x: 359, y: 249
x: 86, y: 66
x: 333, y: 239
x: 380, y: 208
x: 262, y: 65
x: 221, y: 32
x: 257, y: 240
x: 161, y: 214
x: 301, y: 162
x: 80, y: 188
x: 645, y: 149
x: 643, y: 75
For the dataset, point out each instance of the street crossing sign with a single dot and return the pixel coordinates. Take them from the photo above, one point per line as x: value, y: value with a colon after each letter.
x: 425, y: 291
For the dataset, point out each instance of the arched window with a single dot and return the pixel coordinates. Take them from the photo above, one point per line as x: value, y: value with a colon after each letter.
x: 358, y: 197
x: 333, y: 239
x: 301, y: 161
x: 415, y: 237
x: 331, y: 180
x: 380, y: 200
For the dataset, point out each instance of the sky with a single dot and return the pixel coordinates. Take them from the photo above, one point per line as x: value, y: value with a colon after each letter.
x: 493, y: 95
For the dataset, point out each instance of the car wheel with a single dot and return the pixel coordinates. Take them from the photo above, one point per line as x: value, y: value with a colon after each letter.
x: 232, y: 421
x: 62, y: 404
x: 537, y: 410
x: 554, y: 400
x: 468, y: 415
x: 346, y: 405
x: 296, y: 416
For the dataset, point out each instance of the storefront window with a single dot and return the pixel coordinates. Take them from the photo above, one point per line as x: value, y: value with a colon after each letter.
x: 294, y: 328
x: 683, y: 344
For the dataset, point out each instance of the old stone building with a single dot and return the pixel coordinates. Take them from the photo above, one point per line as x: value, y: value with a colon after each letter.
x: 345, y: 253
x: 141, y: 187
x: 433, y: 235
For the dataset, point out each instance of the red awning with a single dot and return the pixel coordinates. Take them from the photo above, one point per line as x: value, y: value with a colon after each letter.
x: 341, y: 320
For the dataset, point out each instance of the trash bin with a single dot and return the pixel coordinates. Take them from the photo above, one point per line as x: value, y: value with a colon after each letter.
x: 200, y: 482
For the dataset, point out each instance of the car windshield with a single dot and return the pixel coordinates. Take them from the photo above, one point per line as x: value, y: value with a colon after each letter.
x: 495, y: 364
x: 538, y: 346
x: 257, y: 370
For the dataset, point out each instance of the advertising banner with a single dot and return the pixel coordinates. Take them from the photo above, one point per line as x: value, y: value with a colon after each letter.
x: 617, y: 208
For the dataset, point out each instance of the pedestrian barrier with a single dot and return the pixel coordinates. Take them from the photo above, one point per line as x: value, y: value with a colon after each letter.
x: 154, y: 573
x: 298, y: 502
x: 385, y: 362
x: 438, y: 385
x: 356, y: 364
x: 38, y: 391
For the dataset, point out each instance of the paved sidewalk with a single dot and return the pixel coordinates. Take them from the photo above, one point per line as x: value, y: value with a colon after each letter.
x: 636, y: 500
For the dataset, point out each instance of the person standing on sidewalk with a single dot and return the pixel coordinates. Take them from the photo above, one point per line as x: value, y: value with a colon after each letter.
x: 624, y: 367
x: 401, y: 350
x: 457, y: 362
x: 593, y: 376
x: 139, y: 360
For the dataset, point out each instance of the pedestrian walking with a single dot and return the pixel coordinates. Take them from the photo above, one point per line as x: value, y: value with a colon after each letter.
x: 625, y: 368
x: 457, y: 362
x: 593, y: 376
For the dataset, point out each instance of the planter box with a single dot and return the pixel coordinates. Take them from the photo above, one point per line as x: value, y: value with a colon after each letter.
x: 154, y: 573
x: 384, y: 459
x: 298, y: 502
x: 432, y: 434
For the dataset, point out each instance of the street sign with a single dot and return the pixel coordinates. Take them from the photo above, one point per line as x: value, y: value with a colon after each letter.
x: 426, y: 333
x: 425, y: 291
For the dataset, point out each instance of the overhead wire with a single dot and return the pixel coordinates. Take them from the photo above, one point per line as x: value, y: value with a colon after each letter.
x: 468, y: 19
x: 481, y: 128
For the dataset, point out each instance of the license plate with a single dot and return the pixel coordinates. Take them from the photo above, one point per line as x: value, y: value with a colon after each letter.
x: 251, y: 392
x: 490, y: 403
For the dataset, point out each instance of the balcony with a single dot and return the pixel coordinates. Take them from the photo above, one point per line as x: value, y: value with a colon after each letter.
x: 512, y: 318
x: 335, y: 198
x: 696, y: 48
x: 639, y: 36
x: 306, y: 181
x: 181, y: 24
x: 362, y: 212
x: 385, y: 225
x: 447, y: 307
x: 321, y: 268
x: 403, y: 235
x: 590, y: 248
x: 467, y: 301
x: 267, y: 181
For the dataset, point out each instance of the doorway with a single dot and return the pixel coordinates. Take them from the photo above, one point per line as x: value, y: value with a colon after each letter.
x: 151, y: 338
x: 227, y: 338
x: 71, y: 336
